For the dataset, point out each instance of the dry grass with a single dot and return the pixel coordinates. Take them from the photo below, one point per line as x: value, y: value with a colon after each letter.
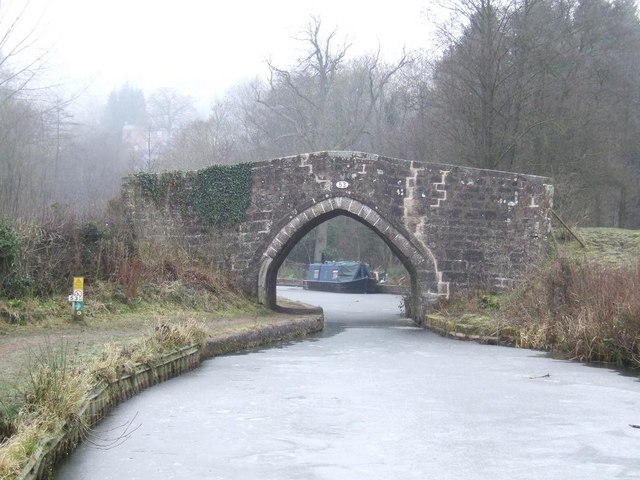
x: 120, y: 274
x: 16, y: 451
x: 118, y: 360
x: 114, y: 362
x: 172, y: 337
x: 583, y: 303
x: 58, y: 387
x: 53, y: 395
x: 585, y: 308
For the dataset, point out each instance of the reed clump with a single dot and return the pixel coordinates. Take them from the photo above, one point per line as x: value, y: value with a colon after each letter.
x: 58, y: 386
x: 54, y: 393
x: 118, y: 360
x: 585, y: 308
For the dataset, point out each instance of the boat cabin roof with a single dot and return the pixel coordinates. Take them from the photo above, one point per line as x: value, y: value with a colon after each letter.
x: 343, y: 271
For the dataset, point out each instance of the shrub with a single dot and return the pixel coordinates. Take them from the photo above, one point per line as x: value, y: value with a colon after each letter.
x: 12, y: 284
x: 43, y: 258
x: 9, y: 244
x: 489, y: 301
x: 585, y: 308
x: 119, y: 273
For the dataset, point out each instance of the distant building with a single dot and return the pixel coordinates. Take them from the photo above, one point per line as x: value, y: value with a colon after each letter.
x: 144, y: 144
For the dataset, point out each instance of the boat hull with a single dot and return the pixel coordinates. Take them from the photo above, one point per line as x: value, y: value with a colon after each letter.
x: 361, y: 285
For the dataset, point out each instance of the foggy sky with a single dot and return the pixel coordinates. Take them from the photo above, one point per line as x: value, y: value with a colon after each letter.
x: 202, y: 47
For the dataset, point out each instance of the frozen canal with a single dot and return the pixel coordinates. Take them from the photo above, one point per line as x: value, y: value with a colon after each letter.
x: 375, y: 398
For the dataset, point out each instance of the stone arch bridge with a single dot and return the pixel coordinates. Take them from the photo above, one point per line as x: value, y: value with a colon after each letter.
x: 452, y: 227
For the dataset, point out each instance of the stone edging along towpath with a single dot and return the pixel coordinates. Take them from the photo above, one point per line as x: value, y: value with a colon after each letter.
x: 107, y: 395
x: 457, y: 329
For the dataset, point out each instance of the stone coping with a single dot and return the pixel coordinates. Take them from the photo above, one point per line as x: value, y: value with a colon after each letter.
x: 453, y: 329
x: 349, y: 155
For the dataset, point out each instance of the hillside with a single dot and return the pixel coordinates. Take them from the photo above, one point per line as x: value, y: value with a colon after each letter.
x: 607, y: 245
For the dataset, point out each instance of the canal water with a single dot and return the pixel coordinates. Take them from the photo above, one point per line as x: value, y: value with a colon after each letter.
x: 373, y: 397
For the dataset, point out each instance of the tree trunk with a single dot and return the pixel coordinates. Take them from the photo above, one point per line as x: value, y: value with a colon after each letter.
x: 321, y: 242
x: 622, y: 208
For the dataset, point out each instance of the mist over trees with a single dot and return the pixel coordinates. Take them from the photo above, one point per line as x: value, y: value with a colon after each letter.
x: 548, y: 88
x: 545, y: 87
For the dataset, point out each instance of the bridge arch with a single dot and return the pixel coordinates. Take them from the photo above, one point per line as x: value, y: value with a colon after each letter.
x: 454, y: 228
x: 418, y: 260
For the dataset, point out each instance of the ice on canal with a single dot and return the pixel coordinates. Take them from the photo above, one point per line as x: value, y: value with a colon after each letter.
x: 375, y: 398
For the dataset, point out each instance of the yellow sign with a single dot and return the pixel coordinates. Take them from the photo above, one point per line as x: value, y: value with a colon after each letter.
x: 78, y: 283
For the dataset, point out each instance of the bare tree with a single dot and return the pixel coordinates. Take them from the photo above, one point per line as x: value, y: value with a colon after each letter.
x: 20, y: 57
x: 473, y: 82
x: 324, y: 102
x: 200, y: 143
x: 296, y: 103
x: 169, y: 109
x: 546, y: 87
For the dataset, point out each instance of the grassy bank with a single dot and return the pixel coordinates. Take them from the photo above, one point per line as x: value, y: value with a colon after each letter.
x: 57, y: 382
x: 21, y: 343
x: 57, y: 371
x: 110, y: 316
x: 582, y: 303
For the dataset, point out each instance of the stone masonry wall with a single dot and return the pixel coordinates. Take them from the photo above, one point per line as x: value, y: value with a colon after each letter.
x: 468, y: 227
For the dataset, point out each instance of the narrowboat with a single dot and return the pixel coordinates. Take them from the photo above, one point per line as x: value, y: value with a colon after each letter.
x: 343, y: 277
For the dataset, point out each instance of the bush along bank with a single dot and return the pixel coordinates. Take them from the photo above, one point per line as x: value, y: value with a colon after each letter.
x: 39, y: 261
x: 61, y: 402
x: 584, y: 309
x: 581, y: 305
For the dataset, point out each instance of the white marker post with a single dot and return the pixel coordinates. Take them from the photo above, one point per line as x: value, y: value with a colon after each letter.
x: 77, y: 298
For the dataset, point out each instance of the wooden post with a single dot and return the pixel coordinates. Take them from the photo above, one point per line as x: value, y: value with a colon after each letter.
x: 574, y: 235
